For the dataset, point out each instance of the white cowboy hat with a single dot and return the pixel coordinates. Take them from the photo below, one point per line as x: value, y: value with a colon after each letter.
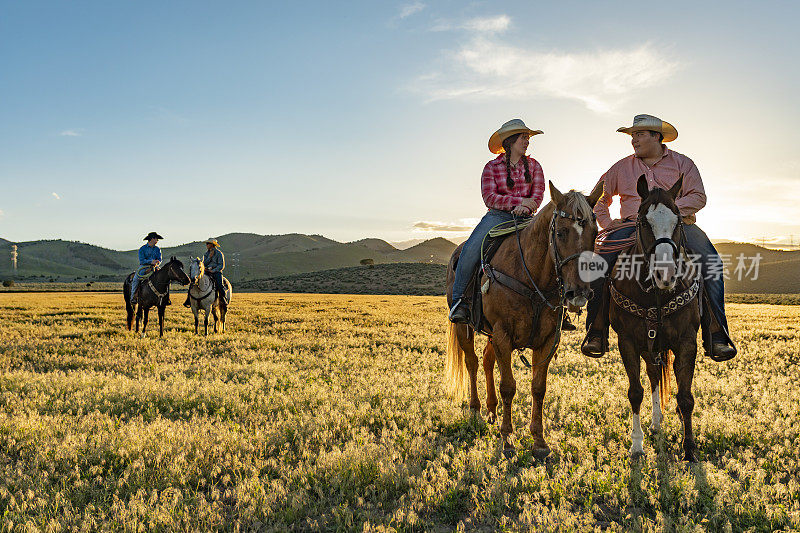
x: 212, y: 240
x: 651, y: 123
x: 512, y: 127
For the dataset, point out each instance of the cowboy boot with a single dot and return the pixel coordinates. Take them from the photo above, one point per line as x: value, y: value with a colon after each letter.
x: 188, y: 302
x: 720, y: 349
x: 459, y: 313
x: 595, y: 344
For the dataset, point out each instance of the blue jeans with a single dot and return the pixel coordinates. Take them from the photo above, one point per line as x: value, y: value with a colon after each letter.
x: 217, y: 276
x: 470, y: 256
x: 141, y: 271
x: 594, y: 305
x: 711, y: 268
x: 698, y: 242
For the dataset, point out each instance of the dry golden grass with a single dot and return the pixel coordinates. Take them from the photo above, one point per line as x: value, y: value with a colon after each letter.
x: 326, y: 412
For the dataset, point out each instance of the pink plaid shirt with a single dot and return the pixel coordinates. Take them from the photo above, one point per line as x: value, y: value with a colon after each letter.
x: 495, y: 191
x: 621, y: 180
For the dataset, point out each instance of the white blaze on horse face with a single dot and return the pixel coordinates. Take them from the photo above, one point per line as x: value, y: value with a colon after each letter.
x: 663, y: 221
x: 655, y: 424
x: 578, y: 228
x: 637, y: 436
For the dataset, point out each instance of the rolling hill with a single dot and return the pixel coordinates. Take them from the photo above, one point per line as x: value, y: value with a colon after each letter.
x: 261, y: 257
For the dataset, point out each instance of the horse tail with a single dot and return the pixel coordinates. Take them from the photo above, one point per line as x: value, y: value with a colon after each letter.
x: 665, y: 385
x: 455, y: 370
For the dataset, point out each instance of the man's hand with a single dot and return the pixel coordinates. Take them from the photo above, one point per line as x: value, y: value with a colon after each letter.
x: 155, y: 262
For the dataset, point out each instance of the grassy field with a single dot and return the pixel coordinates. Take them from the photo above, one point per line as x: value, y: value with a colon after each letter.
x: 326, y: 412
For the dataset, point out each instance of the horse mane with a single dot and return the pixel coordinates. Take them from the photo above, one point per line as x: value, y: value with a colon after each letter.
x: 575, y: 202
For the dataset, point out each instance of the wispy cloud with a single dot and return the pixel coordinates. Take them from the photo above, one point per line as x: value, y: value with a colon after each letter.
x: 409, y: 9
x: 460, y: 226
x: 488, y: 24
x: 488, y: 67
x: 71, y: 133
x: 56, y: 196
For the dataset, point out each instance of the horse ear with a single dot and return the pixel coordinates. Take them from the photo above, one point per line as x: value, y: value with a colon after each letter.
x: 555, y: 194
x: 642, y: 188
x: 596, y: 193
x: 675, y: 190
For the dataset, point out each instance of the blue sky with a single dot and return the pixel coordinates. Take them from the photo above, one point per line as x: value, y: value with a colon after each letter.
x: 365, y: 119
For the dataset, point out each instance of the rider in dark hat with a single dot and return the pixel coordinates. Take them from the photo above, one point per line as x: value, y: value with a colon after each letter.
x: 149, y: 258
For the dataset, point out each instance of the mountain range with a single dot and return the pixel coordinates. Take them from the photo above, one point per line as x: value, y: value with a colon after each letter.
x: 247, y: 255
x: 251, y: 257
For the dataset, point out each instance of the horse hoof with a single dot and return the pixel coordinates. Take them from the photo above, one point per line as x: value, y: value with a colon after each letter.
x: 689, y: 457
x: 491, y: 418
x: 541, y: 454
x: 509, y: 452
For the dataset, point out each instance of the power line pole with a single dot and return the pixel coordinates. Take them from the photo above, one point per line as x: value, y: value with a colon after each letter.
x: 14, y: 258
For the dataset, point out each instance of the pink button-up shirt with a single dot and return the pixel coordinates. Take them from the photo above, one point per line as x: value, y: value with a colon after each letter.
x: 621, y: 180
x: 495, y: 191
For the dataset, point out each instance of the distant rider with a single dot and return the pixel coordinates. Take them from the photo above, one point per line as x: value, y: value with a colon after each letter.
x: 149, y: 259
x: 214, y: 263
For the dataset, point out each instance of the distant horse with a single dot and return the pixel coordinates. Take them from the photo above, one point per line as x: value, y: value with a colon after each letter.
x: 656, y: 313
x: 518, y: 313
x: 153, y: 292
x: 203, y: 295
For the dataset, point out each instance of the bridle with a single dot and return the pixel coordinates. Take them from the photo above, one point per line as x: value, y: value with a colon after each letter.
x: 647, y: 252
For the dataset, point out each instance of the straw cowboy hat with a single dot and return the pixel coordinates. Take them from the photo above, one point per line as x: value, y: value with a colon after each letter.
x: 153, y: 235
x: 651, y: 123
x: 213, y: 241
x: 512, y: 127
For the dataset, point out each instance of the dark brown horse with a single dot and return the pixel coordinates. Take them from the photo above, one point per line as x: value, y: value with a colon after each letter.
x: 655, y: 311
x: 154, y: 292
x: 558, y: 234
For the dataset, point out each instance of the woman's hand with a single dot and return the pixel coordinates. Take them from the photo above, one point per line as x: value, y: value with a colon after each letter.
x: 521, y: 210
x: 530, y: 203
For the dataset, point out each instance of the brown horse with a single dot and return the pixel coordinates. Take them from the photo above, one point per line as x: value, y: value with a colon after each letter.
x: 655, y: 311
x: 153, y: 292
x: 559, y: 233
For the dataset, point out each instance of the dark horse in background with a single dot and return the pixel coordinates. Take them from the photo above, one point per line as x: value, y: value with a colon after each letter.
x: 154, y: 292
x: 547, y: 249
x: 656, y: 313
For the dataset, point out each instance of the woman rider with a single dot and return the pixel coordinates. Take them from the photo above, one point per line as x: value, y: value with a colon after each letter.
x: 214, y: 263
x: 511, y: 184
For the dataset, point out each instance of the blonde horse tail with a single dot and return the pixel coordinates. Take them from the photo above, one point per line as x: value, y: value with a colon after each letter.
x: 665, y: 385
x: 455, y: 370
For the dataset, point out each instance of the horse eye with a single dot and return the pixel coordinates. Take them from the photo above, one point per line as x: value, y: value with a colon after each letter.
x: 561, y: 233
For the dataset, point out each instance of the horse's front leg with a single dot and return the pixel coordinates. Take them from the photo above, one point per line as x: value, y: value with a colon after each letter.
x: 196, y: 320
x: 205, y: 321
x: 138, y: 317
x: 654, y: 374
x: 216, y: 317
x: 161, y: 310
x: 538, y: 390
x: 630, y: 358
x: 489, y: 359
x: 684, y: 372
x: 508, y: 386
x: 145, y: 320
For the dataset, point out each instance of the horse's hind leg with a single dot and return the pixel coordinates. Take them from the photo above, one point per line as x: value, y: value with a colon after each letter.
x: 205, y: 321
x: 196, y: 321
x: 489, y: 359
x: 466, y: 338
x: 222, y: 312
x: 216, y: 317
x: 684, y: 371
x: 654, y: 373
x: 630, y: 359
